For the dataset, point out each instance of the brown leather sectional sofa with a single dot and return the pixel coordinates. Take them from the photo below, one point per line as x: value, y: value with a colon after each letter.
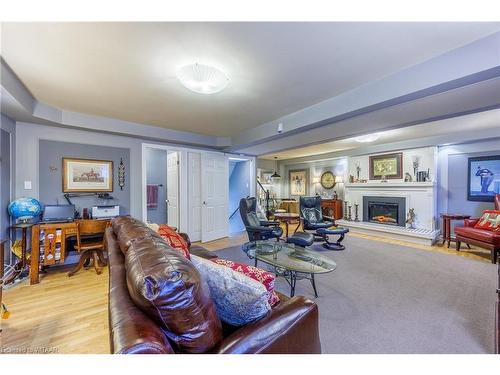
x: 291, y: 326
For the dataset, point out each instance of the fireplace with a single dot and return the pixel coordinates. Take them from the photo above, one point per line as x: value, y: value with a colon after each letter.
x: 384, y: 210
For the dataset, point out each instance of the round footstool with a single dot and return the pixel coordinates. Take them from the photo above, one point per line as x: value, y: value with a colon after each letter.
x: 302, y: 239
x: 324, y: 232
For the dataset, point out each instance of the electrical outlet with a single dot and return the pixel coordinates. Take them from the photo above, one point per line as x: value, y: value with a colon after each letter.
x: 27, y: 185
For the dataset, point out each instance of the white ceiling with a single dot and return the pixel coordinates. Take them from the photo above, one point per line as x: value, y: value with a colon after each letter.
x: 127, y: 70
x: 478, y: 123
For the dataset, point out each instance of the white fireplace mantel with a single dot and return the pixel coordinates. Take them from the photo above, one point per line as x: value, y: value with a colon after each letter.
x: 421, y: 196
x: 389, y: 185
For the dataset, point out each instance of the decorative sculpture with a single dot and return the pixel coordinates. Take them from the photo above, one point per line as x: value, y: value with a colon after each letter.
x: 410, y: 219
x: 121, y: 174
x: 358, y: 170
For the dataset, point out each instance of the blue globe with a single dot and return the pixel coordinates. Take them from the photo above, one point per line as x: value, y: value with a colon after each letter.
x: 24, y: 208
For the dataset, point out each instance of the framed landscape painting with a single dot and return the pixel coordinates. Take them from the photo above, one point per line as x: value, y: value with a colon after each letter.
x: 483, y: 178
x: 298, y: 182
x: 389, y: 166
x: 87, y: 176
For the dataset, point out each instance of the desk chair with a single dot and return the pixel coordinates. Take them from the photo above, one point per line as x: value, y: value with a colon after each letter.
x: 90, y: 249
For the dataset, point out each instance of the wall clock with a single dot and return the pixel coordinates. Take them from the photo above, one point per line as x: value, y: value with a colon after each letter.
x: 327, y: 180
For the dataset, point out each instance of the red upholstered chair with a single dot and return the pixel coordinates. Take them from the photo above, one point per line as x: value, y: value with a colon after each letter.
x: 486, y: 239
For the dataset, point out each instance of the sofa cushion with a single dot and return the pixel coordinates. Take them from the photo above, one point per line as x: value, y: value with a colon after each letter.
x: 479, y: 234
x: 169, y: 289
x: 489, y: 221
x: 239, y: 299
x: 265, y: 278
x: 174, y: 239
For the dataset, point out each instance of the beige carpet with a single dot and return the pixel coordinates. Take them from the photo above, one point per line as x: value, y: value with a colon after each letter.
x: 386, y: 298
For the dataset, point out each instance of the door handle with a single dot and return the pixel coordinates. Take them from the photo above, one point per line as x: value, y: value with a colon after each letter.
x: 204, y: 203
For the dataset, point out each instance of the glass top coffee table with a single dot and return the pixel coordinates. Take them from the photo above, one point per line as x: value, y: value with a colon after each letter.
x: 290, y: 261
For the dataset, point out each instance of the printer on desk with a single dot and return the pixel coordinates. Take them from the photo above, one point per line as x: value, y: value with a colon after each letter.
x: 105, y: 212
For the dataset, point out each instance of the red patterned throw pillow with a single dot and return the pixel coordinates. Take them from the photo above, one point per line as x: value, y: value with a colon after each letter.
x: 489, y: 221
x: 174, y: 239
x: 263, y: 277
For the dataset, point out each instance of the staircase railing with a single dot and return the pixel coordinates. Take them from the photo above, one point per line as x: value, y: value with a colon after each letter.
x: 266, y: 192
x: 234, y: 212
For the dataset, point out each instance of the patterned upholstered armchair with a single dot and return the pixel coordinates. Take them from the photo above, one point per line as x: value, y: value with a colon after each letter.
x: 312, y: 216
x: 257, y: 229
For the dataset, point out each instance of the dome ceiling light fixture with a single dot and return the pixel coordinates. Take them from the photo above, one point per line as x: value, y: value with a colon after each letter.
x: 202, y: 79
x: 367, y: 138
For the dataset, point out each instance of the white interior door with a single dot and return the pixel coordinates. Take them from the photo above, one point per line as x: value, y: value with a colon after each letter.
x: 194, y: 195
x: 214, y: 192
x: 173, y: 189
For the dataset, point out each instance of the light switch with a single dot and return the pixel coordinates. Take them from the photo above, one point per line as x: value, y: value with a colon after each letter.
x: 27, y: 185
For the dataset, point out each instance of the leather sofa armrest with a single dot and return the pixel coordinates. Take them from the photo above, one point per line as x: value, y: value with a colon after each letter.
x: 329, y: 218
x: 267, y: 223
x: 260, y: 229
x: 290, y: 328
x: 471, y: 222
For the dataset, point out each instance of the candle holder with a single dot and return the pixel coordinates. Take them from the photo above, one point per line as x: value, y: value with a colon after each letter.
x: 349, y: 217
x: 345, y: 210
x: 356, y: 210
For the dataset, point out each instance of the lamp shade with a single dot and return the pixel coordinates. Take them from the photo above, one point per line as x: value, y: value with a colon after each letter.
x: 275, y: 176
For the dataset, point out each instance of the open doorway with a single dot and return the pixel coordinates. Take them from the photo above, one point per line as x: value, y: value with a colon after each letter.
x: 162, y: 185
x: 240, y: 173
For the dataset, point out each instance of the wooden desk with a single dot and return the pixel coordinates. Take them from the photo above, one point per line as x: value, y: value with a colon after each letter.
x: 332, y: 208
x: 54, y: 245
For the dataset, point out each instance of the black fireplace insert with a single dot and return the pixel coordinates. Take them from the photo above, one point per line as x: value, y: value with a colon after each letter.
x: 384, y: 210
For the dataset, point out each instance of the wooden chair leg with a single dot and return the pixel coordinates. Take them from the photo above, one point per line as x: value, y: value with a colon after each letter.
x: 457, y: 243
x: 96, y: 262
x: 102, y: 260
x: 83, y: 258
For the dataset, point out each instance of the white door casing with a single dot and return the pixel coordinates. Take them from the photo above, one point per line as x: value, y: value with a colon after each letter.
x: 214, y: 192
x: 173, y: 188
x: 194, y: 195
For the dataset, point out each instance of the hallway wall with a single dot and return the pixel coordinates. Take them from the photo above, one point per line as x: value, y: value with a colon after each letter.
x: 239, y: 187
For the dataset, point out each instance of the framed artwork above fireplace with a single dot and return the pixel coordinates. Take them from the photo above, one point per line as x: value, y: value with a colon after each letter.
x: 389, y: 166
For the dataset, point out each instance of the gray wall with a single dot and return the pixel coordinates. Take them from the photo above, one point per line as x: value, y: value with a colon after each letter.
x: 50, y: 182
x: 457, y: 185
x: 452, y: 176
x: 315, y: 169
x: 239, y: 187
x: 156, y: 173
x: 7, y: 174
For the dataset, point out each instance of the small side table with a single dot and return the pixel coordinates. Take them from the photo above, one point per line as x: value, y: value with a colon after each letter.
x: 447, y: 218
x: 287, y: 217
x: 24, y: 229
